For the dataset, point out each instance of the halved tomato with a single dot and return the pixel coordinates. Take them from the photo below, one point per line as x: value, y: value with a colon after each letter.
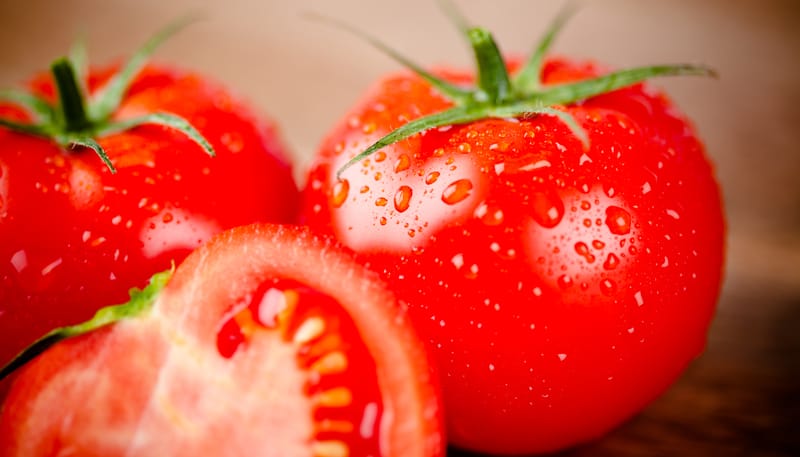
x: 266, y: 341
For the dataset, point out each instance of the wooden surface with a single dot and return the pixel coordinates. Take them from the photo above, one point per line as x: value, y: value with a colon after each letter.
x: 743, y: 396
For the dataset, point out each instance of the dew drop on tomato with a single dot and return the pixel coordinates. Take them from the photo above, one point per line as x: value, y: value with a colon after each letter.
x: 402, y: 199
x: 608, y: 287
x: 457, y: 191
x: 611, y: 262
x: 339, y: 192
x: 402, y: 164
x: 618, y: 220
x: 547, y: 209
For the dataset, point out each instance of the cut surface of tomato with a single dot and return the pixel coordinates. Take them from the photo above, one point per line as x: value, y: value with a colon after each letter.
x: 266, y: 341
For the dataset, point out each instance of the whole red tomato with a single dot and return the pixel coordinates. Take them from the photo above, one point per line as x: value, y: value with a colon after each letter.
x: 74, y: 236
x: 266, y: 341
x: 563, y: 263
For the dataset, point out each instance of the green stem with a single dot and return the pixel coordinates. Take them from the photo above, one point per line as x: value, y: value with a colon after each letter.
x: 493, y: 80
x: 70, y: 96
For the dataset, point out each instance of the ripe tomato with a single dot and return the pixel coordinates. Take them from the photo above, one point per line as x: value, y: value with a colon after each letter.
x: 266, y: 341
x: 75, y: 237
x: 562, y: 286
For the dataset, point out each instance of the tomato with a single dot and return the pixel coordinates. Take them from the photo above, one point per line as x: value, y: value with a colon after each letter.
x: 266, y: 341
x: 561, y: 282
x: 75, y: 237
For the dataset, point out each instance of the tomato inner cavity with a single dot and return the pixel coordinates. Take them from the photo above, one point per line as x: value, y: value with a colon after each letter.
x: 341, y: 373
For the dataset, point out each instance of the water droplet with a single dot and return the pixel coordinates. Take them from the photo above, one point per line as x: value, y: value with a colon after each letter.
x: 489, y: 215
x: 562, y: 357
x: 233, y: 141
x: 673, y: 214
x: 402, y: 198
x: 457, y: 191
x: 458, y: 261
x: 646, y: 188
x: 431, y: 177
x: 403, y: 163
x: 464, y: 147
x: 585, y: 205
x: 19, y: 260
x: 378, y: 176
x: 587, y: 223
x: 491, y: 367
x: 597, y: 244
x: 382, y: 221
x: 638, y: 297
x: 369, y: 128
x: 380, y: 156
x: 584, y: 158
x: 618, y: 220
x: 167, y: 218
x: 339, y: 192
x: 665, y: 264
x: 564, y: 281
x: 583, y: 250
x: 611, y: 262
x: 548, y: 209
x: 608, y: 287
x: 380, y: 201
x: 609, y: 190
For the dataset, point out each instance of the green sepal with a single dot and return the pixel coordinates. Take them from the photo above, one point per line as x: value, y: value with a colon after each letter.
x: 80, y: 62
x: 451, y: 91
x: 69, y: 141
x: 528, y: 79
x: 140, y: 302
x: 38, y: 107
x: 566, y: 93
x: 169, y: 120
x: 108, y: 99
x: 30, y: 129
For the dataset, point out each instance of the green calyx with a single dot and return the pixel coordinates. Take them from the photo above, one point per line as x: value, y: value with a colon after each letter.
x: 77, y: 120
x: 498, y: 95
x: 140, y: 302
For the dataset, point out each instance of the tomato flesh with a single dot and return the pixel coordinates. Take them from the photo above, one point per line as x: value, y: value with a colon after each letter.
x: 348, y: 406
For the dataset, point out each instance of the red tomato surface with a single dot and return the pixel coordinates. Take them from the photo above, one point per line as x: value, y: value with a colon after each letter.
x: 560, y: 288
x: 74, y: 237
x: 326, y: 364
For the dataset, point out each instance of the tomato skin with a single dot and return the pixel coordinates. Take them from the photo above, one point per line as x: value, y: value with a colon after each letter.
x: 561, y: 289
x: 156, y: 384
x: 74, y: 237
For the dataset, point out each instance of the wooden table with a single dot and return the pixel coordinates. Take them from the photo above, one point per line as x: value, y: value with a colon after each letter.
x: 743, y: 396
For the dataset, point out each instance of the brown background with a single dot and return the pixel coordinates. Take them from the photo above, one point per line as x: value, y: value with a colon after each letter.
x: 743, y: 396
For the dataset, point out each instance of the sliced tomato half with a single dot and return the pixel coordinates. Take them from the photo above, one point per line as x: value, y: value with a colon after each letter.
x: 266, y: 341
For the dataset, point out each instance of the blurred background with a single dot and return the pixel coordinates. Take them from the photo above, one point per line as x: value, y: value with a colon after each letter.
x: 743, y: 396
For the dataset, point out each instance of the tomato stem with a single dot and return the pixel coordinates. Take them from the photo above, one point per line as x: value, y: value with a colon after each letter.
x: 493, y: 80
x: 497, y: 96
x: 71, y: 99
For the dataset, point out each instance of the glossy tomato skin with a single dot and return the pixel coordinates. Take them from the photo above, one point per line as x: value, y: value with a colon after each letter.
x: 157, y: 384
x: 74, y: 237
x: 560, y: 288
